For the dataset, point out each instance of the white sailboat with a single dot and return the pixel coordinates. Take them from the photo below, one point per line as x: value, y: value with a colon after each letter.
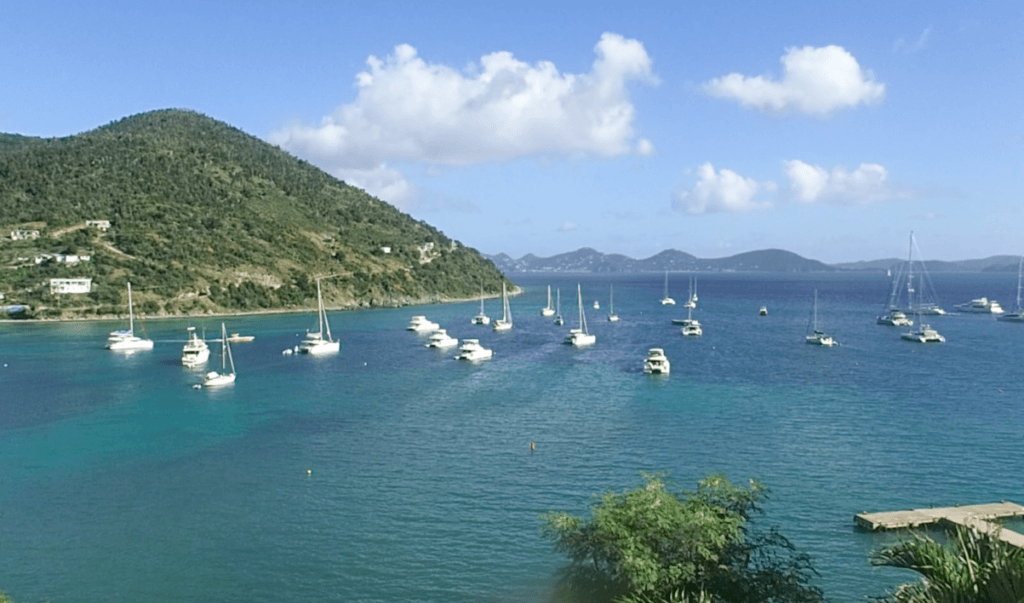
x: 127, y: 341
x: 195, y: 351
x: 481, y: 318
x: 817, y: 337
x: 691, y: 301
x: 558, y: 305
x: 215, y: 379
x: 666, y: 300
x: 894, y: 317
x: 505, y: 322
x: 924, y: 305
x: 320, y: 341
x: 580, y: 336
x: 1018, y: 313
x: 923, y: 333
x: 612, y: 316
x: 548, y: 310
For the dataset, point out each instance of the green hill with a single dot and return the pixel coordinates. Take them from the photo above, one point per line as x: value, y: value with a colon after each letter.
x: 206, y: 218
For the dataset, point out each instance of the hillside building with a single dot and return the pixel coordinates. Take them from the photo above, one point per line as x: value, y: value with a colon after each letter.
x: 70, y: 285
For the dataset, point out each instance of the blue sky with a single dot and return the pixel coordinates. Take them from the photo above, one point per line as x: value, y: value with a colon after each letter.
x: 830, y: 129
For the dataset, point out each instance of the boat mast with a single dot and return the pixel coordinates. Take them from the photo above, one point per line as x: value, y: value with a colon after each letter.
x: 319, y: 308
x: 910, y: 272
x: 131, y: 314
x: 579, y: 298
x: 1020, y: 266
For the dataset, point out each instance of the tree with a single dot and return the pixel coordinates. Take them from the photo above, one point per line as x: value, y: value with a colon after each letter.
x: 651, y: 544
x: 973, y: 567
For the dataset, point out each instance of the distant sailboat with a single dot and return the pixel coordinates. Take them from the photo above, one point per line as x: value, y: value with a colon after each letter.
x: 666, y: 300
x: 215, y: 379
x: 691, y: 301
x: 320, y: 342
x: 481, y: 318
x: 548, y: 310
x: 612, y: 316
x: 127, y: 341
x: 580, y: 336
x: 817, y: 337
x: 1018, y: 314
x: 505, y: 322
x: 558, y: 304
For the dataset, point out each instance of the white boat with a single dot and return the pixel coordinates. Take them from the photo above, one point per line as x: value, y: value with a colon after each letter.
x: 441, y: 339
x: 505, y: 322
x: 816, y: 336
x: 1018, y: 313
x: 420, y: 324
x: 239, y: 338
x: 656, y: 362
x: 982, y: 305
x: 195, y: 352
x: 691, y: 326
x: 894, y: 317
x: 923, y: 333
x: 763, y: 311
x: 580, y: 336
x: 548, y: 310
x: 472, y: 350
x: 926, y: 302
x: 320, y: 341
x: 666, y: 300
x: 597, y: 305
x: 215, y: 379
x: 691, y: 300
x: 558, y: 304
x: 127, y: 341
x: 612, y: 316
x: 481, y: 318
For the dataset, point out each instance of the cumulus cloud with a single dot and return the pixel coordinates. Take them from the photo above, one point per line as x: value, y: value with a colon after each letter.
x: 869, y: 183
x: 816, y: 81
x: 380, y: 181
x: 501, y: 108
x: 721, y: 191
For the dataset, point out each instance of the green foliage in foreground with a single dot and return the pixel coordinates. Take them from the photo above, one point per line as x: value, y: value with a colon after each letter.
x: 973, y: 567
x: 652, y: 544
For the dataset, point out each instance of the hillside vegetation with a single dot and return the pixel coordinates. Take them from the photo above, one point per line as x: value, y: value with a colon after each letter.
x: 206, y: 218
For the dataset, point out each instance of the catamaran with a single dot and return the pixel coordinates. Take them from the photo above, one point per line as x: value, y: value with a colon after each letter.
x: 127, y: 341
x: 505, y: 322
x: 580, y: 336
x: 320, y: 341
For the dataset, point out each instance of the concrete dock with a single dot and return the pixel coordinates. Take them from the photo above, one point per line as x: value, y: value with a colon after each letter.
x: 978, y: 517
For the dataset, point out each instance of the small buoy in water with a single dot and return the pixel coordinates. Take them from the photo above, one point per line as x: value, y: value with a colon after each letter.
x: 364, y: 364
x: 533, y: 447
x: 309, y: 472
x: 286, y: 352
x: 197, y: 386
x: 5, y: 365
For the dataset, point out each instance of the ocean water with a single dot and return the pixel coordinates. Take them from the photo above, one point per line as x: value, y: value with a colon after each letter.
x: 391, y: 472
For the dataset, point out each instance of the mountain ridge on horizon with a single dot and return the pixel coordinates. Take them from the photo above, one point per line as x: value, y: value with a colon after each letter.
x: 588, y: 259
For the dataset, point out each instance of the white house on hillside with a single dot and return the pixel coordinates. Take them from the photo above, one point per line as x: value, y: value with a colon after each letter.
x: 70, y: 285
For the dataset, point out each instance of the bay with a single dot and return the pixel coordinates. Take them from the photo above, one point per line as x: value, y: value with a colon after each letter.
x: 391, y: 472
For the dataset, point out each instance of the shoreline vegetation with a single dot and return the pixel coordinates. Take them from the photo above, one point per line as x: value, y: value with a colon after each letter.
x: 515, y: 291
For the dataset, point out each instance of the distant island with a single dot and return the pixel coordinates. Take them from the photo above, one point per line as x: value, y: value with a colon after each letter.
x: 587, y: 260
x: 203, y: 218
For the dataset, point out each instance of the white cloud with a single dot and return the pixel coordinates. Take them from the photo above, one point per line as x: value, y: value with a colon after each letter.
x: 501, y: 108
x: 380, y: 181
x: 816, y: 81
x: 869, y: 183
x: 721, y: 191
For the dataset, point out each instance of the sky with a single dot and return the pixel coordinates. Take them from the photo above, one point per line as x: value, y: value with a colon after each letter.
x: 829, y: 129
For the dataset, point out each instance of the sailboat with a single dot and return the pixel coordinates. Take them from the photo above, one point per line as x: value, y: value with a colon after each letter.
x: 548, y: 310
x: 691, y: 301
x: 894, y: 317
x: 612, y: 316
x: 924, y: 333
x: 127, y: 341
x: 666, y: 300
x: 580, y: 336
x: 215, y: 379
x: 817, y: 337
x: 505, y: 322
x: 320, y: 341
x: 1018, y: 314
x: 481, y: 318
x: 558, y: 304
x: 923, y: 306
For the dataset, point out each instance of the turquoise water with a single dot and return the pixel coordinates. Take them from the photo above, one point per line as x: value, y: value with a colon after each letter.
x: 119, y: 482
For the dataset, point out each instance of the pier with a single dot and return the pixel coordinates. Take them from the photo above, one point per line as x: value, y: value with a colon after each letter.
x: 978, y: 517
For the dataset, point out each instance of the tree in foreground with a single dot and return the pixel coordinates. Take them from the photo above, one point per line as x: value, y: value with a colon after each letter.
x: 972, y: 567
x: 651, y: 544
